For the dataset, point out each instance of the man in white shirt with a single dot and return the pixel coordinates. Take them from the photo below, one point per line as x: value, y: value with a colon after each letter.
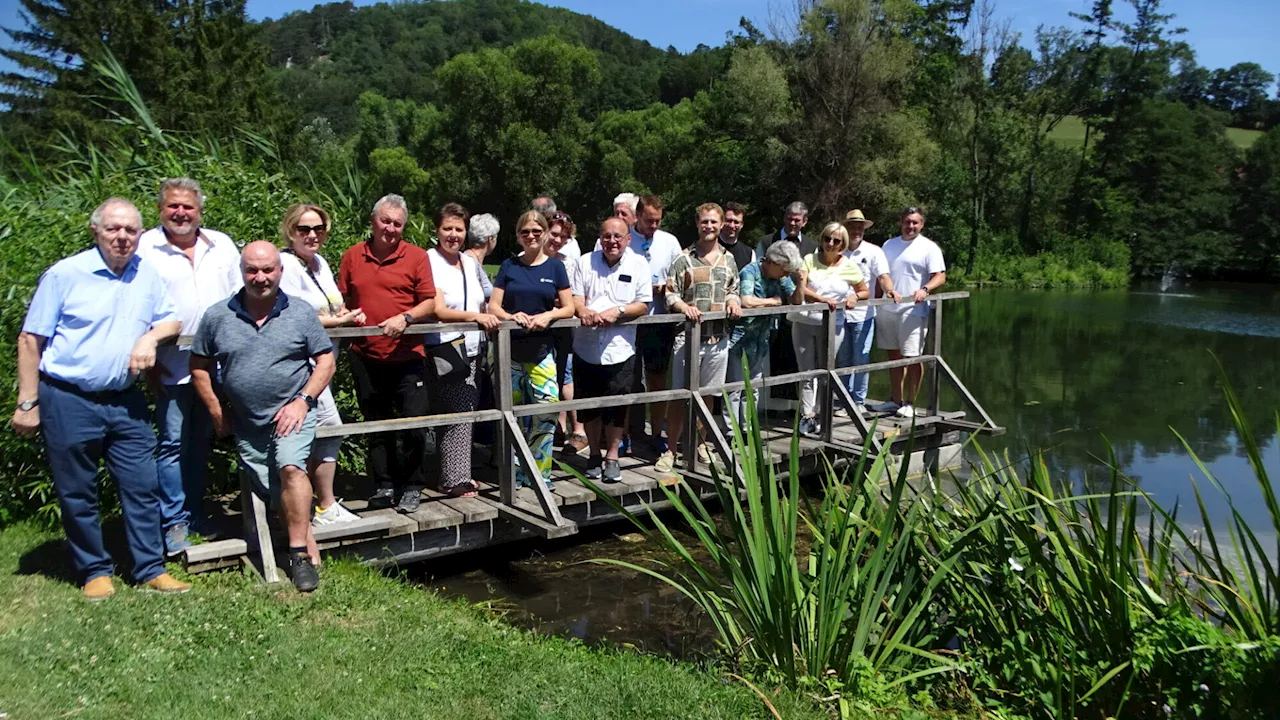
x: 860, y: 322
x: 200, y: 267
x: 655, y: 342
x: 624, y: 206
x: 917, y: 269
x: 609, y: 284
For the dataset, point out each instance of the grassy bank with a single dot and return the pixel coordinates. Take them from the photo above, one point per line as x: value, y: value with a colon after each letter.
x: 1071, y: 132
x: 363, y: 646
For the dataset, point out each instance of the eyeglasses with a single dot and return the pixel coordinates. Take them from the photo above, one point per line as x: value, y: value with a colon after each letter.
x: 530, y: 232
x: 613, y: 236
x: 308, y: 229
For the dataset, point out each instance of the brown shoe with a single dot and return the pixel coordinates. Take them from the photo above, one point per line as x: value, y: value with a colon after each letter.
x: 98, y: 589
x: 165, y: 583
x: 575, y: 445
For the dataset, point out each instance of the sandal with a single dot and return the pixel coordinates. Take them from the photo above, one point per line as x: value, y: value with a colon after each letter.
x: 464, y: 490
x: 576, y: 443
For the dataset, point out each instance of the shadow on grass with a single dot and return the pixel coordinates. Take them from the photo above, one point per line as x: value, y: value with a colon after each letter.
x: 51, y: 560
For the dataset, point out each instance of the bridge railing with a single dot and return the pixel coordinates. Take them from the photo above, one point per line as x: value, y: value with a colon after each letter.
x: 545, y: 519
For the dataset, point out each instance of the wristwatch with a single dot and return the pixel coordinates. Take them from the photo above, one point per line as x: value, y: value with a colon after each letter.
x: 28, y: 406
x: 408, y: 319
x: 310, y: 401
x: 622, y: 311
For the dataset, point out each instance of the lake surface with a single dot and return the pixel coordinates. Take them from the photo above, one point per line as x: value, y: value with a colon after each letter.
x: 1081, y: 375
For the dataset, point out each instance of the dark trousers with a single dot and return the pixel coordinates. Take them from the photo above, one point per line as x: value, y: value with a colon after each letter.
x: 79, y: 430
x: 387, y: 390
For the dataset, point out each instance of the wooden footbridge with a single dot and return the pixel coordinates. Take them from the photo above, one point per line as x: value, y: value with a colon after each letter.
x: 504, y: 512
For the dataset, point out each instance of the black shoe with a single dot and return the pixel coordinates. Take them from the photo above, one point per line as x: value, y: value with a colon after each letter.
x: 594, y: 469
x: 304, y: 574
x: 410, y: 499
x: 382, y: 497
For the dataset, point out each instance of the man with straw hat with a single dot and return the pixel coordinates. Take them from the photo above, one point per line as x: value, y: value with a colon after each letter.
x: 861, y: 321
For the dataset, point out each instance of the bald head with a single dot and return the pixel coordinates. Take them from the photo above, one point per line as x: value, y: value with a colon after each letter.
x: 260, y: 265
x: 615, y: 235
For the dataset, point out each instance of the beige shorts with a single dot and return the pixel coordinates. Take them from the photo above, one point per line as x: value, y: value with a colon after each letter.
x: 903, y: 332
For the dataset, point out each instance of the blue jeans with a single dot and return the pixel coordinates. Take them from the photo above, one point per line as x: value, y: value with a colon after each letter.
x: 182, y: 465
x: 855, y: 350
x: 79, y: 429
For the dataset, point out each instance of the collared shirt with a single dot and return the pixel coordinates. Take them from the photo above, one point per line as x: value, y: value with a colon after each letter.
x: 871, y: 260
x: 602, y: 286
x: 263, y: 366
x: 752, y: 334
x: 706, y: 286
x: 193, y: 287
x: 383, y: 289
x: 911, y: 264
x: 92, y: 318
x: 803, y: 244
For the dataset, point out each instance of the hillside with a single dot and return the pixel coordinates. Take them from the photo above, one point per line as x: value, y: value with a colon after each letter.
x: 325, y: 57
x: 1071, y: 132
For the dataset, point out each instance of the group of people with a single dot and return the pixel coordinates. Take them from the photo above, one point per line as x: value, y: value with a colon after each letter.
x: 254, y: 359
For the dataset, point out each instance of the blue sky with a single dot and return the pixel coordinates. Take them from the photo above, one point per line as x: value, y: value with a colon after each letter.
x: 1223, y: 32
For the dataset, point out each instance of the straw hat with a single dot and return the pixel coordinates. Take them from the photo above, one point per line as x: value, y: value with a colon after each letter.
x: 856, y: 216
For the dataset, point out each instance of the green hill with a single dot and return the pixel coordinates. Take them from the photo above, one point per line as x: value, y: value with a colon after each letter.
x: 1071, y: 132
x: 325, y: 57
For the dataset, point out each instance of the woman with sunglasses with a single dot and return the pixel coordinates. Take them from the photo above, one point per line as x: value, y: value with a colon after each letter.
x: 562, y: 244
x: 305, y: 276
x: 833, y: 279
x: 532, y: 290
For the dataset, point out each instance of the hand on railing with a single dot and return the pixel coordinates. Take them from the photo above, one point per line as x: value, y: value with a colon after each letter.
x: 604, y: 318
x: 487, y: 321
x: 920, y: 295
x: 851, y: 302
x: 394, y: 326
x: 895, y: 296
x: 733, y: 310
x: 531, y: 322
x: 691, y: 312
x: 351, y: 317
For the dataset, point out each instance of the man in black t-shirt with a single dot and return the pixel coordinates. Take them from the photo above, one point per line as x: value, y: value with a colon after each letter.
x: 734, y: 215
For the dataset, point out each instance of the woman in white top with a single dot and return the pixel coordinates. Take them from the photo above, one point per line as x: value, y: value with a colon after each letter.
x: 562, y: 244
x: 306, y: 276
x: 455, y: 356
x: 836, y: 280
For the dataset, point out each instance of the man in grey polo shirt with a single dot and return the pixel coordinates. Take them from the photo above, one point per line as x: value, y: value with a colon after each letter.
x: 276, y: 360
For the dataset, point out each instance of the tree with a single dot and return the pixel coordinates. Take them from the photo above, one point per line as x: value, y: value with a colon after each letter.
x: 1258, y: 214
x: 197, y: 63
x: 1242, y: 91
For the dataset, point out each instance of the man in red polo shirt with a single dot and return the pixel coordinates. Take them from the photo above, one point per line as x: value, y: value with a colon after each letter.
x: 390, y: 280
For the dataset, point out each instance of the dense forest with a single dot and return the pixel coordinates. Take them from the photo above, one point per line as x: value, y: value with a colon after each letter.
x: 862, y: 103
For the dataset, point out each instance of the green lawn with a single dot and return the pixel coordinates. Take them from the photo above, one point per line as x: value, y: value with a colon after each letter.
x: 1071, y: 132
x: 363, y: 646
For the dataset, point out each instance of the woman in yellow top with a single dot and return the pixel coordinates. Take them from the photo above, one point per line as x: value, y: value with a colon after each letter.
x: 831, y: 278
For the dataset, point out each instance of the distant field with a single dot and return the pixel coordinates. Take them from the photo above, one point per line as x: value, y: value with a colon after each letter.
x: 1071, y: 132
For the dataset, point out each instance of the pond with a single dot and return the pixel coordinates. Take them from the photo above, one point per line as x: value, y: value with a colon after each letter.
x: 1080, y: 375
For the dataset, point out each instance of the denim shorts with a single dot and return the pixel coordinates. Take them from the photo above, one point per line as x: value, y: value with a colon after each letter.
x: 568, y: 370
x: 263, y: 453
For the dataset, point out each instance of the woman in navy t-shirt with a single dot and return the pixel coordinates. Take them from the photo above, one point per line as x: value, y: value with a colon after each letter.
x: 533, y: 290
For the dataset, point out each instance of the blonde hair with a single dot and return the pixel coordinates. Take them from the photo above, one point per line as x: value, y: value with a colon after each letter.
x: 837, y: 230
x: 294, y: 214
x: 535, y: 216
x: 709, y: 207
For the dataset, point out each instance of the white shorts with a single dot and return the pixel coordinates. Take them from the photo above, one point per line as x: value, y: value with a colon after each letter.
x: 904, y: 332
x: 713, y: 361
x: 326, y: 449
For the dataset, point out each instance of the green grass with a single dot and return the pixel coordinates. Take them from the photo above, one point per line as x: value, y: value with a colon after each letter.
x: 1071, y: 132
x: 363, y: 646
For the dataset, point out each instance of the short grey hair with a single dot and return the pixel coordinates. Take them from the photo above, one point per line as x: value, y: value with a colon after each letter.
x: 797, y: 208
x: 95, y: 218
x: 785, y: 254
x: 546, y: 207
x: 631, y: 199
x: 180, y: 183
x: 390, y: 200
x: 483, y: 227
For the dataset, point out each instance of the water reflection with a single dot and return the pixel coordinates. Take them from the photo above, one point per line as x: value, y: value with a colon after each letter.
x: 1080, y: 374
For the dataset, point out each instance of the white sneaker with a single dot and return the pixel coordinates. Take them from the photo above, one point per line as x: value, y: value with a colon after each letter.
x: 905, y: 411
x: 860, y: 409
x: 335, y: 514
x: 887, y: 406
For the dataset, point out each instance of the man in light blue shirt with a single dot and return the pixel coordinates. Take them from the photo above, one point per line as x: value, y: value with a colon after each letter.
x: 91, y: 330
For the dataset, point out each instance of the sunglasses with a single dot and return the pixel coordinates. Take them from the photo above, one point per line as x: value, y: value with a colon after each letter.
x: 559, y: 216
x: 530, y: 232
x: 308, y: 229
x: 832, y: 240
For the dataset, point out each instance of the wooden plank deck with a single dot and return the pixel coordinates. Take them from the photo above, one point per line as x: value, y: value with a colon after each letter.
x: 444, y: 525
